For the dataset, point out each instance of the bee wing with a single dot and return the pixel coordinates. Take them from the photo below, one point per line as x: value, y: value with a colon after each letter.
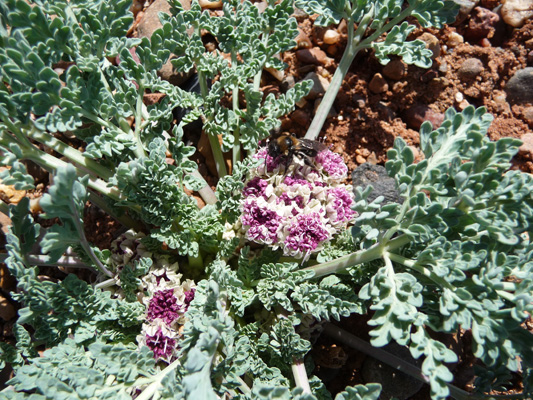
x: 312, y: 145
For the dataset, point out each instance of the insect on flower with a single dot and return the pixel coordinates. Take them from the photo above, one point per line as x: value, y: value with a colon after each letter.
x: 288, y: 147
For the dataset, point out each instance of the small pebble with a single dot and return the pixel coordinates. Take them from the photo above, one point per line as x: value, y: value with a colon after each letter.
x: 302, y: 40
x: 454, y: 39
x: 331, y: 36
x: 459, y: 97
x: 210, y: 4
x: 520, y: 87
x: 526, y: 150
x: 528, y: 115
x: 358, y: 100
x: 276, y: 73
x: 485, y: 43
x: 463, y: 104
x: 470, y: 68
x: 320, y: 85
x: 516, y: 12
x: 432, y: 43
x: 420, y: 113
x: 313, y: 56
x: 378, y: 84
x: 395, y: 70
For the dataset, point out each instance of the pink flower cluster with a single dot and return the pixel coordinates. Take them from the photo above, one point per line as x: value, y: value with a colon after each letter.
x: 297, y: 210
x: 162, y: 290
x: 166, y: 303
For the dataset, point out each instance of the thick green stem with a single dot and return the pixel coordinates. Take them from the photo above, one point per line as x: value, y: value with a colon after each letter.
x: 196, y: 261
x: 300, y: 375
x: 84, y: 242
x: 154, y: 383
x: 421, y: 270
x: 236, y: 156
x: 206, y: 192
x: 350, y: 52
x: 139, y: 149
x: 217, y: 154
x: 4, y: 208
x: 359, y: 257
x: 69, y: 152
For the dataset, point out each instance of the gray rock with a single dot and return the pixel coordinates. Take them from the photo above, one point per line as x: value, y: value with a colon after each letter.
x: 470, y: 68
x: 465, y: 7
x: 376, y: 175
x: 320, y: 85
x: 519, y: 88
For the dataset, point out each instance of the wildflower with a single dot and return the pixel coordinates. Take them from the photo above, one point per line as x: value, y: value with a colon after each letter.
x: 261, y: 221
x: 339, y: 205
x: 298, y: 210
x: 305, y: 234
x: 163, y: 304
x: 161, y: 342
x: 332, y: 163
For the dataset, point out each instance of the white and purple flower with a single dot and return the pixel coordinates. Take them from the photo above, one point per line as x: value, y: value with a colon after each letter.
x: 298, y: 210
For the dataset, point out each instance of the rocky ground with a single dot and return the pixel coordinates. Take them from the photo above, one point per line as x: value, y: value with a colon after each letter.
x: 484, y: 59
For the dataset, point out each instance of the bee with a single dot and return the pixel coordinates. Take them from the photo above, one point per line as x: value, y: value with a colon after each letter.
x: 288, y: 147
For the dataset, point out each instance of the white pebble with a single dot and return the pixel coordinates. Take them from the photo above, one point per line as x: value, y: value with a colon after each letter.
x: 331, y: 36
x: 459, y: 97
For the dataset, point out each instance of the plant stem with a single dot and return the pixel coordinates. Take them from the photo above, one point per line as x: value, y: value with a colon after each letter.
x: 300, y: 375
x: 236, y: 156
x: 206, y: 192
x: 69, y: 152
x: 4, y: 208
x: 105, y: 284
x: 155, y: 384
x: 359, y: 257
x: 217, y: 154
x: 421, y: 270
x: 346, y: 61
x: 84, y: 242
x: 139, y: 149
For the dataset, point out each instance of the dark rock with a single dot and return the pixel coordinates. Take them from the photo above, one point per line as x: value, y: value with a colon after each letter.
x: 470, y: 68
x: 483, y: 24
x: 416, y: 115
x: 376, y: 175
x: 313, y: 56
x: 394, y: 383
x: 288, y: 83
x: 395, y: 70
x: 520, y: 87
x: 378, y: 84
